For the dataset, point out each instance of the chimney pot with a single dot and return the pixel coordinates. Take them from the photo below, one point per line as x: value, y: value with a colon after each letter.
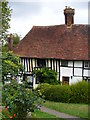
x: 10, y: 42
x: 69, y: 16
x: 11, y: 35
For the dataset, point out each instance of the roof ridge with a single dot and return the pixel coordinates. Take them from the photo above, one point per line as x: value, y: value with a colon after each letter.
x: 48, y: 26
x: 58, y: 25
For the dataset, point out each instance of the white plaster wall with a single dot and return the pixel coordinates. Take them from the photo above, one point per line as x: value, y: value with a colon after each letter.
x: 55, y: 64
x: 89, y: 73
x: 28, y: 63
x: 86, y: 72
x: 68, y: 72
x: 34, y: 83
x: 52, y: 64
x: 49, y: 63
x: 78, y: 71
x: 65, y: 71
x: 72, y: 80
x: 25, y: 66
x: 33, y: 61
x: 75, y: 79
x: 23, y: 62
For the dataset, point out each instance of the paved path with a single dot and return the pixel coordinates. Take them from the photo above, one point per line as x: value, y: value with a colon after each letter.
x: 58, y: 114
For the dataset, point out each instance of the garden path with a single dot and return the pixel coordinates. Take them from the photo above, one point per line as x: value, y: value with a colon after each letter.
x: 58, y: 114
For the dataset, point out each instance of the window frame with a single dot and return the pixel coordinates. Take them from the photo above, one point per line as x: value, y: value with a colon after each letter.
x: 41, y: 62
x: 63, y: 64
x: 87, y: 64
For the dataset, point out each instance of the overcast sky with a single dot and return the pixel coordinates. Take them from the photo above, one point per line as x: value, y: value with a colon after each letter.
x: 27, y: 14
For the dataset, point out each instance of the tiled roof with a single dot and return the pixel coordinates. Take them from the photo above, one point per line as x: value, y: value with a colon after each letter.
x: 57, y: 42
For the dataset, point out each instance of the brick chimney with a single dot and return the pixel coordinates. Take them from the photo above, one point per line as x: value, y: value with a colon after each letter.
x: 69, y: 16
x: 10, y: 42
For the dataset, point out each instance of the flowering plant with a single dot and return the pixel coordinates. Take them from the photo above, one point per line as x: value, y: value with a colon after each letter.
x: 18, y: 99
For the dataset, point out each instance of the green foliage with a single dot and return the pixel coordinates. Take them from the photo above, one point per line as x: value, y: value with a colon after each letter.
x: 18, y: 99
x: 45, y: 75
x: 5, y: 114
x: 16, y: 40
x: 0, y: 92
x: 54, y: 92
x: 10, y: 65
x: 42, y: 89
x: 79, y: 92
x: 76, y: 93
x: 5, y: 19
x: 5, y: 48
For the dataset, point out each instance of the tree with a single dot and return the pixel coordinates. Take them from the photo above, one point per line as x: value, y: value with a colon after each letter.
x: 16, y: 39
x: 10, y: 66
x: 5, y: 18
x: 45, y: 75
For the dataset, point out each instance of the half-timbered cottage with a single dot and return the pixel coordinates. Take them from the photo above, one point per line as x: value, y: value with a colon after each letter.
x: 63, y: 48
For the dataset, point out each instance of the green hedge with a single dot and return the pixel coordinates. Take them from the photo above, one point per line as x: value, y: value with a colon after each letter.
x: 79, y: 92
x: 76, y: 93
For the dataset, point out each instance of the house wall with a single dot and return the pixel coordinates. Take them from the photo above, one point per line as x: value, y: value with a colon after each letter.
x: 75, y: 69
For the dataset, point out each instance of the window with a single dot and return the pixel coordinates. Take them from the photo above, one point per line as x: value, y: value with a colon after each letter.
x: 64, y: 63
x: 41, y: 62
x: 87, y: 64
x: 37, y: 80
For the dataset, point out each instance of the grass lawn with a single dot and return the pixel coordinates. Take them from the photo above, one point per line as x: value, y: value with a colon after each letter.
x: 39, y: 114
x: 79, y: 110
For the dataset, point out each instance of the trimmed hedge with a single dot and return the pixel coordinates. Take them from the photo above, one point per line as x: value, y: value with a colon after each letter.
x: 76, y: 93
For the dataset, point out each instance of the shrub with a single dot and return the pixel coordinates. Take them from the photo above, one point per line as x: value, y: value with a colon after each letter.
x: 41, y: 89
x: 76, y: 93
x: 54, y: 92
x: 45, y: 75
x: 5, y: 114
x: 18, y: 99
x: 11, y: 67
x: 79, y: 92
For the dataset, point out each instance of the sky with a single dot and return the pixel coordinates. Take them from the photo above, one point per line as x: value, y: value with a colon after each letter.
x: 29, y: 13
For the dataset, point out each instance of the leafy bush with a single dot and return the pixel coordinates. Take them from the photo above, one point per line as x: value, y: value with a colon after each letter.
x: 5, y: 114
x: 10, y: 66
x: 76, y: 93
x: 45, y: 75
x: 55, y: 92
x: 79, y: 92
x: 18, y: 100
